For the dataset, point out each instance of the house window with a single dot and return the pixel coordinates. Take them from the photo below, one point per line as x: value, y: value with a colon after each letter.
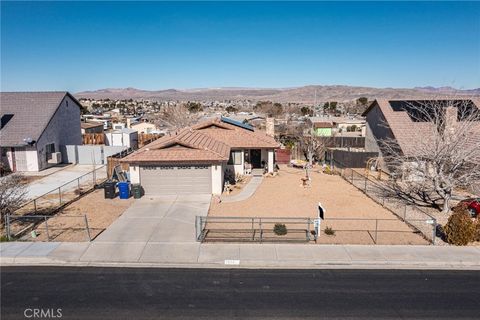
x: 235, y: 157
x: 50, y: 148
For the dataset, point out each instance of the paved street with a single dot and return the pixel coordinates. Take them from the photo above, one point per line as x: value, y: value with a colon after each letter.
x: 123, y: 293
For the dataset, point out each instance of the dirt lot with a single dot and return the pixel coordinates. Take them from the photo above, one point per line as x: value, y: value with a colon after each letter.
x: 284, y: 196
x: 100, y: 214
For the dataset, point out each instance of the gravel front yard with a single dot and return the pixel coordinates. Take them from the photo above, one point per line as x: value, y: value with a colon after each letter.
x: 284, y: 196
x: 100, y: 214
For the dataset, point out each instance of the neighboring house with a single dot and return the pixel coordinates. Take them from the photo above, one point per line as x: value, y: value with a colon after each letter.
x: 323, y: 129
x: 330, y: 126
x: 36, y: 127
x: 392, y: 119
x: 144, y: 127
x: 197, y: 159
x: 91, y: 127
x: 122, y: 138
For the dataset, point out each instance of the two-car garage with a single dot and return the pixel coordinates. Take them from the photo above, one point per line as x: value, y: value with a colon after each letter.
x: 170, y: 179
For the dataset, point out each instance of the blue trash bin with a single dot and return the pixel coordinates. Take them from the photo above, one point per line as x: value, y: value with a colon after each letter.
x: 124, y: 190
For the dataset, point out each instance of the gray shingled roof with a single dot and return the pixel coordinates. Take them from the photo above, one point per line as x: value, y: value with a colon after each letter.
x: 31, y: 111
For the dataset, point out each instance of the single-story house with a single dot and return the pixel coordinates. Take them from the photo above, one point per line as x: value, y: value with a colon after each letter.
x: 36, y: 127
x: 91, y: 127
x: 144, y: 127
x: 197, y: 159
x: 122, y: 138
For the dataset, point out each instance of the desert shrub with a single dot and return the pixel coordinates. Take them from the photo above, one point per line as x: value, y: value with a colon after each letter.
x: 460, y: 229
x: 329, y: 231
x: 280, y: 229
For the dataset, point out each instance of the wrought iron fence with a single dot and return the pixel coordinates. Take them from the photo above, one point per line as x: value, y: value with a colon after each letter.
x: 343, y: 230
x: 252, y: 229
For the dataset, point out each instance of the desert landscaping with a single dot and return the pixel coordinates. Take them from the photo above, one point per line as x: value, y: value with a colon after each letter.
x: 284, y: 196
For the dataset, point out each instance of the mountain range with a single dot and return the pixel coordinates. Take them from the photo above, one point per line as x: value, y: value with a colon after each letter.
x: 305, y: 94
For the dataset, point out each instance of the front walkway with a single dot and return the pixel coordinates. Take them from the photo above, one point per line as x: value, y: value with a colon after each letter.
x: 246, y: 192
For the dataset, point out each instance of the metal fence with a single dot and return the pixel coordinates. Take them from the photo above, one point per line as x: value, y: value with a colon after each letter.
x: 47, y: 228
x: 409, y: 213
x: 252, y: 229
x: 346, y: 230
x: 58, y: 197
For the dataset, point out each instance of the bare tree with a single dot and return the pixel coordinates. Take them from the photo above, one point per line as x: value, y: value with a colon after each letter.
x: 176, y: 117
x: 443, y: 154
x: 311, y: 145
x: 12, y: 195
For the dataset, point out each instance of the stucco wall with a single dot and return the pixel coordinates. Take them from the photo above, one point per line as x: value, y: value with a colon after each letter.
x: 217, y: 178
x: 134, y: 174
x: 63, y: 129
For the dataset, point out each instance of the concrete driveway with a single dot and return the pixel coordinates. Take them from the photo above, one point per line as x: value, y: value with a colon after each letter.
x: 151, y: 230
x: 51, y: 182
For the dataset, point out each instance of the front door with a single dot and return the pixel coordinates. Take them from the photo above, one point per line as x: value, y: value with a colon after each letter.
x: 256, y: 158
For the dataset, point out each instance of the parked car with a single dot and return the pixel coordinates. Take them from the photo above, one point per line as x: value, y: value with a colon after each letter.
x: 473, y: 206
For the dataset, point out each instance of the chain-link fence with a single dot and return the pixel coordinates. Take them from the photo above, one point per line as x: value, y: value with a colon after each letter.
x: 410, y: 214
x: 64, y: 194
x: 47, y: 228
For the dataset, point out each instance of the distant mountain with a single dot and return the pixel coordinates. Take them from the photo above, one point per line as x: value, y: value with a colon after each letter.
x: 305, y: 94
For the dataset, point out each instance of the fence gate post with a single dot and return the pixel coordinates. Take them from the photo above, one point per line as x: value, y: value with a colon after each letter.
x: 59, y: 196
x: 35, y: 205
x: 261, y: 230
x: 88, y: 229
x: 7, y: 229
x: 434, y: 226
x: 365, y: 184
x: 78, y: 185
x: 352, y: 175
x: 253, y: 230
x: 46, y: 228
x: 376, y: 229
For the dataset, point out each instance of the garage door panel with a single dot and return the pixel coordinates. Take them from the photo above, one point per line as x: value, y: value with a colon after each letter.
x: 194, y: 179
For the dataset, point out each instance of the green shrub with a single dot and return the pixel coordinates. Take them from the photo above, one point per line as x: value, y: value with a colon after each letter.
x: 329, y: 231
x: 280, y: 229
x: 460, y: 229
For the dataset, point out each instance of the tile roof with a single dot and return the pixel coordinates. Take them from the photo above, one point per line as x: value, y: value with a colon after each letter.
x: 31, y: 111
x: 405, y: 130
x: 186, y: 146
x: 205, y: 142
x: 88, y: 125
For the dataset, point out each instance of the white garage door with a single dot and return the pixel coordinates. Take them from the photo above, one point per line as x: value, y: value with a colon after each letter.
x: 192, y: 179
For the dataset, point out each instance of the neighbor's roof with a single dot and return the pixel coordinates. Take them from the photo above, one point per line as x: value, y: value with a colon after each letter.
x: 88, y: 125
x: 186, y: 146
x: 208, y: 141
x: 31, y: 112
x: 405, y: 130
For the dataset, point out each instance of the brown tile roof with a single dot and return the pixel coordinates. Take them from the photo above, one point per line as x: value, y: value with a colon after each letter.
x: 31, y: 111
x: 186, y: 146
x: 205, y: 142
x: 405, y: 130
x: 234, y: 136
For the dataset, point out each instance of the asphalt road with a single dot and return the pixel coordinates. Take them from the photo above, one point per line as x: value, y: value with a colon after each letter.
x: 137, y: 293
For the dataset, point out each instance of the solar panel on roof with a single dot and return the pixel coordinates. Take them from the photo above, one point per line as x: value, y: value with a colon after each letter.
x: 237, y: 123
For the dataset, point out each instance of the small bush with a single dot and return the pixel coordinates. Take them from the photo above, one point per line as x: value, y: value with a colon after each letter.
x: 460, y: 229
x: 329, y: 231
x: 280, y: 229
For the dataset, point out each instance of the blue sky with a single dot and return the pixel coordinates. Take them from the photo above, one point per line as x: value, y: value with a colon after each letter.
x: 156, y: 45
